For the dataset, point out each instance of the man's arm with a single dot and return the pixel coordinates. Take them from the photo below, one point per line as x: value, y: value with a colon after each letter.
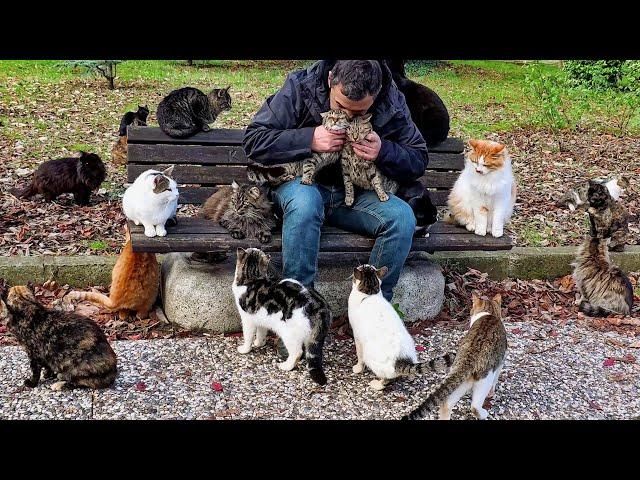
x: 273, y: 136
x: 403, y: 155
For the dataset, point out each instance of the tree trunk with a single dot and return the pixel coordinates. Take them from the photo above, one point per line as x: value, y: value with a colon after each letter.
x: 190, y: 63
x: 111, y: 75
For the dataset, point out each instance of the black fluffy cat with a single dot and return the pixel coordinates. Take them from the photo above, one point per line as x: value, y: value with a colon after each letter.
x: 187, y: 111
x: 427, y: 109
x: 68, y: 346
x: 418, y: 198
x: 133, y: 118
x: 79, y: 176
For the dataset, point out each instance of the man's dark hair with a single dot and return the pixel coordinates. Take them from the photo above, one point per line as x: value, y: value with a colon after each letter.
x: 359, y: 78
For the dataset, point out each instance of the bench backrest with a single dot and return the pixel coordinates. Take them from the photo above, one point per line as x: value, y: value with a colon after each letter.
x: 213, y: 158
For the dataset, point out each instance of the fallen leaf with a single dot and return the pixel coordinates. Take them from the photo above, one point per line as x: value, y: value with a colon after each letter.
x: 609, y: 362
x: 516, y: 331
x: 420, y: 348
x: 594, y: 405
x: 141, y: 386
x: 217, y: 386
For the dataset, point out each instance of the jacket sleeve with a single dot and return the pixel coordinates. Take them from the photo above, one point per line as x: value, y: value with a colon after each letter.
x: 403, y: 155
x: 275, y: 136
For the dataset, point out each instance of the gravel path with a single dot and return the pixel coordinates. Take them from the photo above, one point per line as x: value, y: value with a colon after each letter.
x: 559, y: 373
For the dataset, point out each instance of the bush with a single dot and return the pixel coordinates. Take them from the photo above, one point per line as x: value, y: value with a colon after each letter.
x: 621, y: 75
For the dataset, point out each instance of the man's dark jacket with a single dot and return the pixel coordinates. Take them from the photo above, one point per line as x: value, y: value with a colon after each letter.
x: 282, y: 130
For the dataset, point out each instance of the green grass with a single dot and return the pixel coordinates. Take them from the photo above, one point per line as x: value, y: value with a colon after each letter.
x: 97, y: 245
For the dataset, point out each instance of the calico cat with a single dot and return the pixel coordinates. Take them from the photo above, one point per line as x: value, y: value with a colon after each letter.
x: 135, y: 281
x: 483, y: 196
x: 477, y: 365
x: 359, y: 172
x: 427, y: 109
x: 300, y: 316
x: 275, y: 175
x: 608, y: 218
x: 244, y: 210
x: 79, y: 176
x: 577, y: 198
x: 187, y: 111
x: 418, y: 198
x: 152, y: 200
x: 120, y: 148
x: 604, y: 288
x: 68, y: 346
x: 382, y: 341
x: 333, y: 120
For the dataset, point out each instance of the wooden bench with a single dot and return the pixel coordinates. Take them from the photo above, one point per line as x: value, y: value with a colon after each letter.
x: 213, y: 158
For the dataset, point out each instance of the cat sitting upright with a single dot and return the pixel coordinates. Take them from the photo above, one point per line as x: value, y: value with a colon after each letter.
x: 483, y: 196
x: 135, y: 281
x: 382, y: 341
x: 187, y: 111
x: 120, y: 149
x: 68, y: 346
x: 79, y: 176
x: 300, y: 316
x: 608, y: 217
x: 152, y: 200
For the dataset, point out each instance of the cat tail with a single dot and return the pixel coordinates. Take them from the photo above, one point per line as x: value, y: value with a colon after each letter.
x: 181, y: 133
x: 23, y: 192
x: 437, y: 364
x: 93, y: 297
x: 313, y: 349
x: 438, y: 396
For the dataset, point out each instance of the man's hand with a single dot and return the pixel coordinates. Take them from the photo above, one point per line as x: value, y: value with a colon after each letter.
x: 368, y: 148
x: 327, y: 141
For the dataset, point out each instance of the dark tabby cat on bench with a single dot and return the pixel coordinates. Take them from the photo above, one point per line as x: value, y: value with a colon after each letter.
x: 138, y: 118
x: 187, y: 111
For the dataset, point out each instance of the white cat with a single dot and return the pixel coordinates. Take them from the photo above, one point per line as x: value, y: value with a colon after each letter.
x: 382, y: 341
x: 151, y: 200
x: 484, y: 194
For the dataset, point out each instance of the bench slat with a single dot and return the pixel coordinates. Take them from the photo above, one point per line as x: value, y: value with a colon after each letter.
x: 233, y: 136
x: 151, y: 154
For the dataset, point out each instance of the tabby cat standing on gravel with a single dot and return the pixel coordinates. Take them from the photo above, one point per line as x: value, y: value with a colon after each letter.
x: 382, y: 341
x: 477, y: 364
x: 68, y: 346
x: 187, y: 111
x: 135, y: 281
x: 244, y: 210
x: 298, y: 315
x: 152, y: 200
x: 484, y: 194
x: 79, y: 176
x: 577, y: 198
x: 120, y: 149
x: 359, y: 172
x: 604, y: 289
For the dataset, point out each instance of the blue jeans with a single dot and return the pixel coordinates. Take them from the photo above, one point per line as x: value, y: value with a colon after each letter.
x: 305, y: 208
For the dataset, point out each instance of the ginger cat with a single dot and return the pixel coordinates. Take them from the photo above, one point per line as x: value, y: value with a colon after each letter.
x: 135, y: 281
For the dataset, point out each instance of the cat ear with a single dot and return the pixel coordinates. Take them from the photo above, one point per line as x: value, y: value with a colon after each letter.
x: 498, y: 299
x: 168, y: 171
x: 357, y: 273
x: 324, y: 114
x: 382, y: 272
x: 240, y: 253
x: 254, y: 192
x: 475, y: 299
x: 227, y: 89
x: 474, y: 143
x: 4, y: 311
x: 235, y: 185
x: 498, y: 148
x: 365, y: 118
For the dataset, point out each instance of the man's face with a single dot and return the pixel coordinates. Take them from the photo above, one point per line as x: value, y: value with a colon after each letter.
x: 352, y: 108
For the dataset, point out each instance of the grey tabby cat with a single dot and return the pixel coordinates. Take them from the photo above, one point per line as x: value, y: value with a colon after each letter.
x: 187, y: 111
x: 577, y: 198
x: 604, y: 288
x: 477, y: 365
x: 360, y: 172
x: 274, y: 175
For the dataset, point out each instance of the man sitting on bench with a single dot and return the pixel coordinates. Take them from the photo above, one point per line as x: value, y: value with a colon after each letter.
x: 287, y: 128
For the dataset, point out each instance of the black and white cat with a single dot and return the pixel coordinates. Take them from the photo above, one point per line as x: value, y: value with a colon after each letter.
x: 298, y: 315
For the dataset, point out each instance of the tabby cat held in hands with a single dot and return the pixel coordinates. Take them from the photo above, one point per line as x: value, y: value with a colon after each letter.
x: 484, y: 194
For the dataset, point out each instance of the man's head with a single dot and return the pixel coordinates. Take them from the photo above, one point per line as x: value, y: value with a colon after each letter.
x: 354, y: 85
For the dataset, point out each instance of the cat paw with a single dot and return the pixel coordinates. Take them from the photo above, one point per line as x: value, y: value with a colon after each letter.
x: 377, y: 385
x: 150, y: 231
x: 384, y: 198
x: 237, y: 234
x: 29, y: 383
x: 480, y: 231
x: 259, y: 344
x: 206, y: 128
x: 286, y: 366
x: 497, y: 232
x: 479, y: 413
x: 305, y: 181
x: 471, y: 227
x: 161, y: 231
x: 56, y: 387
x: 244, y: 349
x: 136, y: 222
x: 357, y: 368
x: 348, y: 202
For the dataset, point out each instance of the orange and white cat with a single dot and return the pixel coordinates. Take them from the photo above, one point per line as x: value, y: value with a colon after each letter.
x: 135, y: 281
x: 484, y: 194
